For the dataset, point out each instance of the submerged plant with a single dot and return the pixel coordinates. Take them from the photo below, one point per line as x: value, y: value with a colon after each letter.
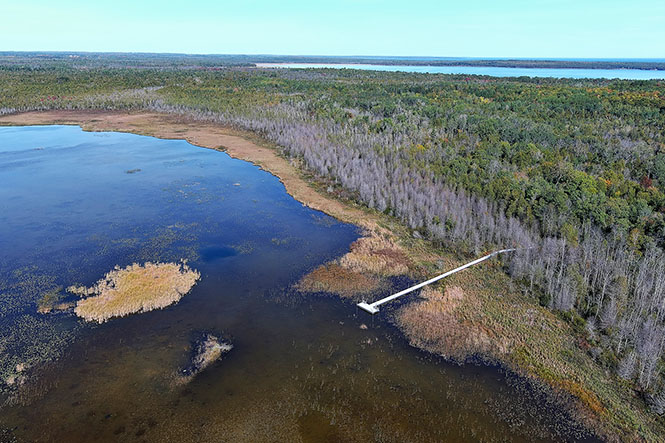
x: 51, y: 300
x: 206, y: 350
x: 136, y: 288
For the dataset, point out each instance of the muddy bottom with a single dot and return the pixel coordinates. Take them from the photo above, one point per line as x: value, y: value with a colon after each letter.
x: 300, y: 370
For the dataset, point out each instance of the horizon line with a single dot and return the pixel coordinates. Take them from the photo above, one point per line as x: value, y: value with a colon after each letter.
x: 406, y: 57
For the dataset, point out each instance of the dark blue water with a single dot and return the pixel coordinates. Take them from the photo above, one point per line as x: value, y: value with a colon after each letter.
x: 75, y: 204
x: 624, y: 74
x: 74, y: 201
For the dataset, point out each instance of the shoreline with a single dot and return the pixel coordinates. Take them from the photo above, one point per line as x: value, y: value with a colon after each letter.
x: 473, y: 291
x: 506, y: 64
x: 236, y: 144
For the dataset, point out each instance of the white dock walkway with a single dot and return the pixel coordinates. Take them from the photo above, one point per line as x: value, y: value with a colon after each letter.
x: 372, y: 308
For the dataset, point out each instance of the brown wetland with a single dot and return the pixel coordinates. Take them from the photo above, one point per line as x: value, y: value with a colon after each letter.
x: 302, y: 367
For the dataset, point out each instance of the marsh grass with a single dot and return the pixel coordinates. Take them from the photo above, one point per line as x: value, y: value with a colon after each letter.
x: 479, y: 313
x: 364, y: 269
x: 378, y: 255
x: 433, y: 323
x: 337, y: 279
x: 136, y: 288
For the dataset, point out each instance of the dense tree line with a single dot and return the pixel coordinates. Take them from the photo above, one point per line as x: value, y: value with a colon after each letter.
x: 572, y: 172
x: 193, y: 61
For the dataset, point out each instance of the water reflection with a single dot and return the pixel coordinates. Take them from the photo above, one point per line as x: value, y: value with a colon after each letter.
x: 303, y: 368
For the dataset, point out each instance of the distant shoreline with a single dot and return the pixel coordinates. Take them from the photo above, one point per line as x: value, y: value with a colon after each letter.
x: 42, y: 59
x: 534, y: 64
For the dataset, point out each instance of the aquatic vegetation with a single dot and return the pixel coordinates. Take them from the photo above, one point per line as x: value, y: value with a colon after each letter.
x: 431, y: 323
x: 170, y: 243
x: 28, y: 280
x: 361, y: 271
x: 337, y: 279
x: 26, y: 342
x: 136, y: 288
x: 6, y: 435
x: 378, y: 255
x: 207, y: 350
x: 192, y: 191
x: 279, y: 241
x: 243, y: 248
x: 324, y: 220
x: 52, y: 300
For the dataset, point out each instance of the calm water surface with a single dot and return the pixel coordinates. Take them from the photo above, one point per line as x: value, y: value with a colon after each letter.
x: 75, y: 204
x: 624, y: 74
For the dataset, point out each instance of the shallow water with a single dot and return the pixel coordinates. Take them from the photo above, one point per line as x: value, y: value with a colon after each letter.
x: 75, y: 204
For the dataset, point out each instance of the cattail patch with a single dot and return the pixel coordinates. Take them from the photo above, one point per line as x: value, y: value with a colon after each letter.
x: 136, y: 288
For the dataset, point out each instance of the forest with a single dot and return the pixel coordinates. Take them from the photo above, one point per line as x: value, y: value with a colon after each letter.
x: 167, y: 61
x: 571, y: 172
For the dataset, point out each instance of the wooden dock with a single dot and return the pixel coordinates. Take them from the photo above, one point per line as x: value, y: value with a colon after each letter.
x: 372, y: 308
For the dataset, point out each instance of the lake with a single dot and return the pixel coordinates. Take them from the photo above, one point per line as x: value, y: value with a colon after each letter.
x: 303, y: 368
x: 624, y: 74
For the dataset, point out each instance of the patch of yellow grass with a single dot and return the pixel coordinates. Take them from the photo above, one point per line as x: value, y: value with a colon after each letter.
x: 434, y: 323
x: 361, y: 271
x: 338, y: 280
x: 136, y: 288
x: 377, y: 255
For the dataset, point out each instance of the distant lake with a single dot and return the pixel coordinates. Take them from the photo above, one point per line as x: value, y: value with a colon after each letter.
x: 624, y: 74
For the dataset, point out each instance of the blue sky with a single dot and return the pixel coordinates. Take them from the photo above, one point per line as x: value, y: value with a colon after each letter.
x: 509, y: 28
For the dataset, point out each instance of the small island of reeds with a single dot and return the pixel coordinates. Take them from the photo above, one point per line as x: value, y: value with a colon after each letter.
x: 136, y: 288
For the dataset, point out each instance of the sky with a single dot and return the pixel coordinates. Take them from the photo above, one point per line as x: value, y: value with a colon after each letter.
x: 460, y: 28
